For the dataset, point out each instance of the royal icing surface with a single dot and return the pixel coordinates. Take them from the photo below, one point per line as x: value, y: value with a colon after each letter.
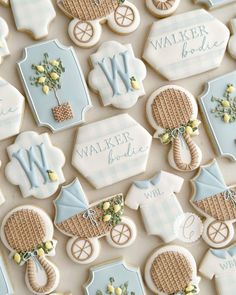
x: 117, y: 75
x: 5, y: 283
x: 158, y: 203
x: 163, y: 275
x: 27, y: 232
x: 232, y: 40
x: 85, y: 29
x: 11, y: 109
x: 4, y: 31
x: 186, y: 44
x: 220, y: 264
x: 118, y: 145
x: 162, y: 8
x: 58, y: 99
x: 216, y: 201
x: 2, y: 199
x: 217, y: 105
x: 85, y: 223
x: 40, y: 13
x: 214, y: 3
x: 116, y: 275
x: 35, y: 165
x: 178, y: 128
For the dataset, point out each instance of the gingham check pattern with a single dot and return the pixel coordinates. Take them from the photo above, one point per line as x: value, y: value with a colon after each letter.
x: 159, y: 217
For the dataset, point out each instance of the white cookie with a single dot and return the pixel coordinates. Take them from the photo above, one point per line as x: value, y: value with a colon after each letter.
x: 33, y: 17
x: 177, y: 128
x: 86, y: 223
x: 4, y: 31
x: 163, y: 275
x: 35, y: 165
x: 5, y: 282
x: 117, y: 75
x: 11, y: 110
x: 162, y: 8
x: 232, y: 40
x: 2, y: 199
x: 85, y: 29
x: 27, y: 232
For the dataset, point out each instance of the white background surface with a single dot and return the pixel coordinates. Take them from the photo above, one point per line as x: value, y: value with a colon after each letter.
x: 72, y: 275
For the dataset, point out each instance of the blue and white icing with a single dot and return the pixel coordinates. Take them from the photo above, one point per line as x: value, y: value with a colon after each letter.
x: 71, y: 201
x: 114, y: 65
x: 209, y: 182
x: 145, y: 184
x: 215, y: 3
x: 223, y: 134
x: 5, y: 284
x: 100, y: 275
x: 73, y: 86
x: 224, y: 253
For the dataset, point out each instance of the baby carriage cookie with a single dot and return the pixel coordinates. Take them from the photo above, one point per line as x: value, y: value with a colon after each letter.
x: 40, y: 13
x: 117, y: 75
x: 217, y: 202
x: 58, y: 99
x: 172, y: 270
x: 27, y: 232
x: 4, y: 31
x: 115, y: 277
x: 162, y: 8
x: 85, y: 29
x: 11, y: 109
x: 177, y: 128
x: 5, y: 283
x: 86, y: 223
x: 220, y: 265
x: 35, y: 165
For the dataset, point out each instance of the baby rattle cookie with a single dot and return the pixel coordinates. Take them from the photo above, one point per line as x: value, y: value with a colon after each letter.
x: 162, y: 8
x: 217, y: 203
x: 12, y: 104
x: 85, y: 29
x: 40, y: 14
x: 86, y: 223
x: 27, y: 232
x: 219, y: 264
x: 114, y: 277
x: 35, y: 165
x: 172, y: 270
x: 5, y: 282
x: 4, y: 31
x: 172, y: 111
x: 117, y: 75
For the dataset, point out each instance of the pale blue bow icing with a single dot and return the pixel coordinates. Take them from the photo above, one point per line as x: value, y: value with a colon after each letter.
x: 231, y: 196
x: 224, y: 253
x: 32, y: 255
x: 90, y: 215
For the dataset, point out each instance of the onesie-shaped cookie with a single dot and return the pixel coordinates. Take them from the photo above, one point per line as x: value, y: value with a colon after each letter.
x: 35, y: 165
x: 172, y: 111
x: 162, y: 8
x: 27, y: 232
x: 85, y: 29
x: 4, y: 30
x: 220, y: 265
x: 117, y: 75
x: 85, y: 223
x: 11, y: 109
x: 32, y: 16
x: 172, y: 270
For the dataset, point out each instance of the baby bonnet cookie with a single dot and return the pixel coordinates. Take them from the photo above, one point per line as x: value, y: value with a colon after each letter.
x: 27, y: 232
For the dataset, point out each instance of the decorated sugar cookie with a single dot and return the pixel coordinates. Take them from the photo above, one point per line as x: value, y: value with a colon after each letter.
x: 186, y: 44
x: 11, y: 110
x: 35, y: 165
x: 217, y: 203
x: 172, y: 270
x: 219, y: 264
x: 86, y: 223
x: 217, y: 104
x: 2, y: 199
x: 232, y: 40
x: 4, y: 30
x: 115, y: 277
x: 172, y: 111
x: 27, y: 232
x: 211, y: 4
x: 117, y: 75
x: 118, y: 145
x: 40, y: 14
x: 5, y: 283
x: 85, y: 29
x: 162, y: 8
x: 58, y: 98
